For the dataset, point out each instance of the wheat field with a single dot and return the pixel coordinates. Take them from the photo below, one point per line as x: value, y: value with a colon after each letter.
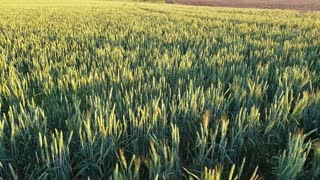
x: 131, y: 90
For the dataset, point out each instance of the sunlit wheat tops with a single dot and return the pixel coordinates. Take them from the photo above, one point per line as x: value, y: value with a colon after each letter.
x: 111, y: 90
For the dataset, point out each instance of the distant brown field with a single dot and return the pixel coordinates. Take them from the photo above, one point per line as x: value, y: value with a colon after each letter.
x: 308, y: 5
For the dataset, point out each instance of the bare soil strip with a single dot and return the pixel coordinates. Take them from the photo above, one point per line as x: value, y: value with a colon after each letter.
x: 305, y: 5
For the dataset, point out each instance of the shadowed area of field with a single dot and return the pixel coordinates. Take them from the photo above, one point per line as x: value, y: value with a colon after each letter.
x: 313, y: 5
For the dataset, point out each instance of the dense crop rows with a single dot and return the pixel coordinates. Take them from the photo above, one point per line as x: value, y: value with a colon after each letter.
x: 126, y: 90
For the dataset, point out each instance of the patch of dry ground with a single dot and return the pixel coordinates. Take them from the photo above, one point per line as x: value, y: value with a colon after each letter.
x: 313, y: 5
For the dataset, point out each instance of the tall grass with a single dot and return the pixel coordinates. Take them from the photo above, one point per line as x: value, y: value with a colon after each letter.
x: 128, y: 91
